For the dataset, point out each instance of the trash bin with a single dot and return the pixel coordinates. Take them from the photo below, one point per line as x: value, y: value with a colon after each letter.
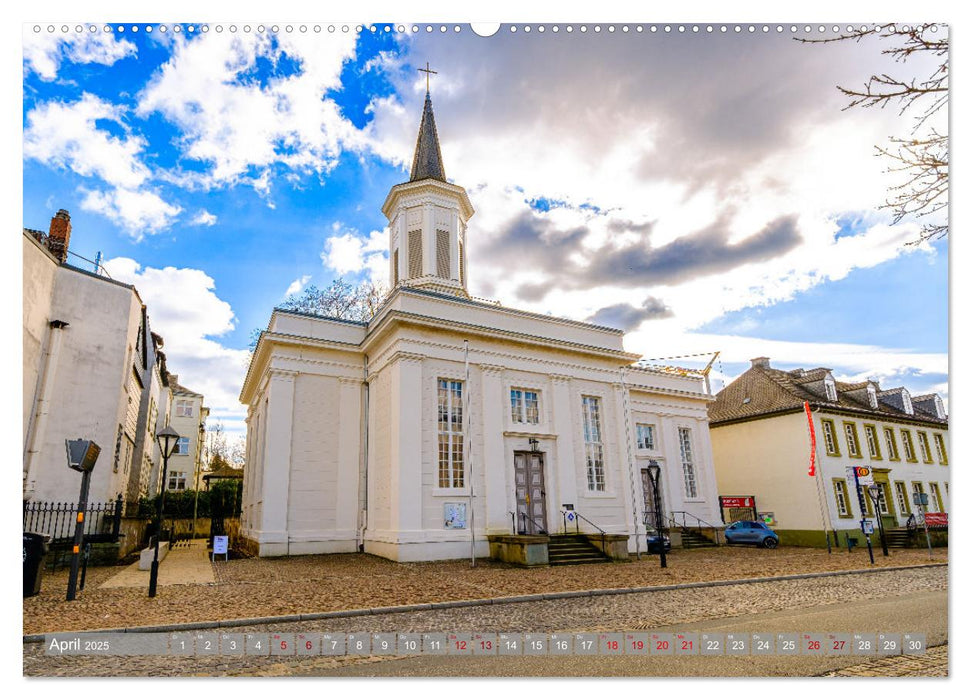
x: 35, y: 551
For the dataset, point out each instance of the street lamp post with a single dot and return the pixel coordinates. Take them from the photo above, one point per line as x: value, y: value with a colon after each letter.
x: 876, y: 496
x: 654, y: 472
x: 168, y: 440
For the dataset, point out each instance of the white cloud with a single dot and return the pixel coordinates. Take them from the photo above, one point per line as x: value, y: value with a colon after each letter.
x: 204, y: 218
x: 185, y: 310
x: 211, y: 81
x: 347, y: 252
x: 297, y: 285
x: 139, y: 212
x: 66, y: 135
x: 44, y: 52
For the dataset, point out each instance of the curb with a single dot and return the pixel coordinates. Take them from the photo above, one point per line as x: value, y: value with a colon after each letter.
x: 445, y: 605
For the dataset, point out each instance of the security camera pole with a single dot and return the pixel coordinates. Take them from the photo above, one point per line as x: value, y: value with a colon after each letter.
x: 81, y: 456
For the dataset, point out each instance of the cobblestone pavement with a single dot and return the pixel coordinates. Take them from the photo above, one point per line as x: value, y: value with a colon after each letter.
x: 636, y: 611
x: 307, y: 584
x: 931, y: 664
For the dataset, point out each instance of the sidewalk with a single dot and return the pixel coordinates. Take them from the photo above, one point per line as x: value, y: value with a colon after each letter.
x: 257, y: 588
x: 182, y: 565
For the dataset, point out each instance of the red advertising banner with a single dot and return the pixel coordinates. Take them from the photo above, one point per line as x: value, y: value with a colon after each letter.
x: 935, y: 519
x: 812, y: 440
x: 738, y: 501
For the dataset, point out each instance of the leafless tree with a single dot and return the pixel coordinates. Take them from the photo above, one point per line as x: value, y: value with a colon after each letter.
x: 922, y: 157
x: 339, y: 300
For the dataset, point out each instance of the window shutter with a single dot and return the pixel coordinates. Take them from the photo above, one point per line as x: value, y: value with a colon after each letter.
x: 443, y: 254
x: 461, y: 263
x: 414, y: 253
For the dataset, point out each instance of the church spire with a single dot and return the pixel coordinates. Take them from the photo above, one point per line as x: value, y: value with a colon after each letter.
x: 428, y: 154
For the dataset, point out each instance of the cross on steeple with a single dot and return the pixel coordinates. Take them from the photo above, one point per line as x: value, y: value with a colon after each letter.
x: 427, y: 71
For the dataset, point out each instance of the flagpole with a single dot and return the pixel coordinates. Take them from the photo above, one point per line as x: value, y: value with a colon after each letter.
x: 468, y: 443
x: 815, y: 470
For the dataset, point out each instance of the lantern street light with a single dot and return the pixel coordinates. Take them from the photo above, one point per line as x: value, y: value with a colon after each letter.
x: 876, y: 496
x: 654, y: 472
x: 168, y: 441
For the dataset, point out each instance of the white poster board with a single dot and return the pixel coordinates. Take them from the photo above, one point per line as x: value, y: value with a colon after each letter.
x: 220, y: 545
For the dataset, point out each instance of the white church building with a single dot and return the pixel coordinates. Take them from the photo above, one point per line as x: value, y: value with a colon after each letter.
x: 446, y: 421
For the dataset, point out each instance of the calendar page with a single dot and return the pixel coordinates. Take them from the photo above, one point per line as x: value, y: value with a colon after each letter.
x: 413, y: 346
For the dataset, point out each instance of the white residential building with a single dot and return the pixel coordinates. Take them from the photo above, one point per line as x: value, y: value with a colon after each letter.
x: 761, y: 442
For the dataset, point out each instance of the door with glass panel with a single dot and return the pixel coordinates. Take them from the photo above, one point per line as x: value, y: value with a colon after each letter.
x: 530, y: 493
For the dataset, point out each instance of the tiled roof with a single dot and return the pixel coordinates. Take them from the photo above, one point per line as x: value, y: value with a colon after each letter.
x: 428, y: 154
x: 181, y: 390
x: 764, y: 391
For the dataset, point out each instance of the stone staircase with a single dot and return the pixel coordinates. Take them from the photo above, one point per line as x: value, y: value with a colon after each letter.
x: 898, y: 537
x: 692, y: 539
x: 573, y: 549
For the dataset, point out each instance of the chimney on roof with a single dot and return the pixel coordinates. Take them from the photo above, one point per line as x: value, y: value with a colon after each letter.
x: 59, y: 235
x: 762, y: 362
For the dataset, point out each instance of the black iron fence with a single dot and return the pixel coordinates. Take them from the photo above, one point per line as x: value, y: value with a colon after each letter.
x: 102, y: 521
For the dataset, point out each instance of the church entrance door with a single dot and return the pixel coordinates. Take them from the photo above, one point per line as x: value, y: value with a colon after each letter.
x: 650, y: 514
x: 530, y: 493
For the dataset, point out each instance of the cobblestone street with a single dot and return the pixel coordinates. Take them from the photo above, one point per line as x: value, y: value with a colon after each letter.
x: 291, y: 585
x: 766, y: 606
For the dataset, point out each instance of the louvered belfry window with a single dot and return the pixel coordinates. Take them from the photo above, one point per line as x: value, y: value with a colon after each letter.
x: 394, y: 269
x: 461, y: 263
x: 443, y: 255
x: 414, y: 253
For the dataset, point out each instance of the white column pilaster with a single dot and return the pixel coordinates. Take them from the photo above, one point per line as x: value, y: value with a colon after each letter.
x: 276, y: 467
x: 493, y: 457
x: 406, y: 440
x: 348, y: 453
x: 563, y: 428
x: 625, y: 431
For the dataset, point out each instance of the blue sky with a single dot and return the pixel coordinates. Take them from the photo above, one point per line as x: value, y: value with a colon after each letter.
x: 706, y: 191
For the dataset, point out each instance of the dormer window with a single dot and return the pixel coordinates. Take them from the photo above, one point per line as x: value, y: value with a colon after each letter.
x: 871, y: 395
x: 830, y: 389
x: 908, y: 406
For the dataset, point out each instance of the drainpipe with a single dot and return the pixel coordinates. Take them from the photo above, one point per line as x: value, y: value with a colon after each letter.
x: 361, y: 518
x: 45, y: 385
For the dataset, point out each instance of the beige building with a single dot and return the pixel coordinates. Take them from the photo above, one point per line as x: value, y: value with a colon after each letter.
x: 91, y: 368
x: 760, y: 438
x: 188, y: 419
x: 379, y: 437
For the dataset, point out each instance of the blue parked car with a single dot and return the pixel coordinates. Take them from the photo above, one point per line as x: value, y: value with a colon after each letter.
x: 751, y: 532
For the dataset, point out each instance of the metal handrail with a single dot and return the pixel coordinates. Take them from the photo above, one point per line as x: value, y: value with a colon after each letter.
x: 542, y: 531
x: 603, y: 533
x: 684, y: 523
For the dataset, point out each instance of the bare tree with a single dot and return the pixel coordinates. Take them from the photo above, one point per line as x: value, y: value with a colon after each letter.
x: 339, y: 300
x: 215, y: 442
x: 921, y: 158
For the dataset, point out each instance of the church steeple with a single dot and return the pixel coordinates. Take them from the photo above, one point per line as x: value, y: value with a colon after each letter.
x: 428, y: 154
x: 427, y: 219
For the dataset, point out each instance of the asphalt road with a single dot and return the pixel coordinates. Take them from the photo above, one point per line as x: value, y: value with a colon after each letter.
x: 924, y: 612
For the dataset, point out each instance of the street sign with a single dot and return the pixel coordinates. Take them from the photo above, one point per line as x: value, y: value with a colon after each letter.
x: 738, y: 501
x: 935, y: 519
x: 862, y: 475
x: 82, y: 454
x: 867, y: 527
